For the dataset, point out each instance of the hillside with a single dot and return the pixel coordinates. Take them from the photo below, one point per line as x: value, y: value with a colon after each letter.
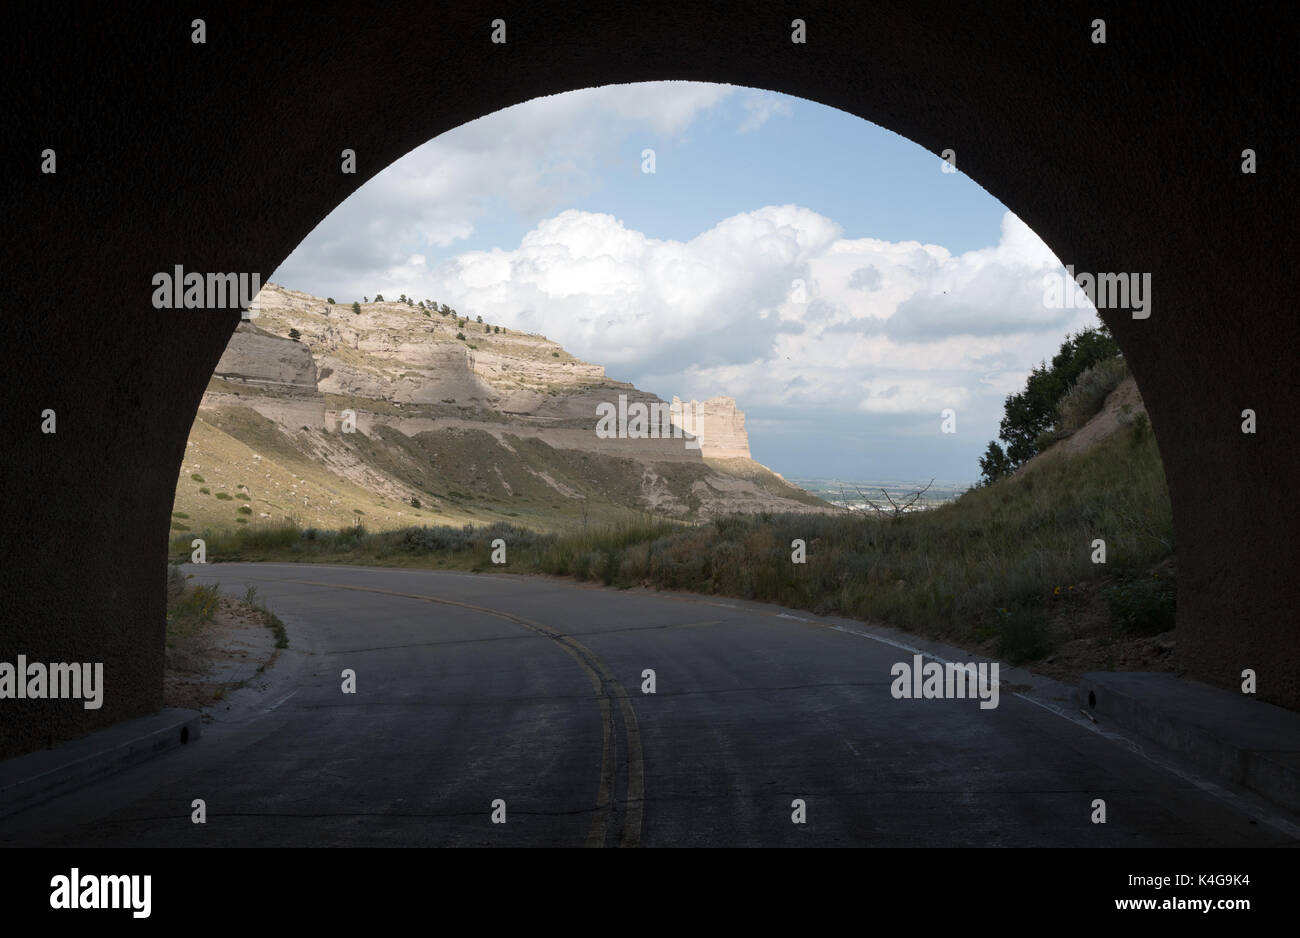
x: 1122, y: 407
x: 456, y: 422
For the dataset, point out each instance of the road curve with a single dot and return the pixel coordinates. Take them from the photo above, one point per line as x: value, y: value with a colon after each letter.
x: 487, y: 693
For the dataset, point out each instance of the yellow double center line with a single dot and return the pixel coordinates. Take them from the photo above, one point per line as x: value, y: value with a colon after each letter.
x: 607, y: 688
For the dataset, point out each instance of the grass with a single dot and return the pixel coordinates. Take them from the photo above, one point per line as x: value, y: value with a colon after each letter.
x: 1087, y: 394
x: 989, y: 567
x: 269, y: 618
x: 189, y: 611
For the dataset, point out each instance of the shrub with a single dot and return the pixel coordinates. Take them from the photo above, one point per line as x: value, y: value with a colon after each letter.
x: 415, y: 502
x: 1049, y: 436
x: 205, y: 491
x: 1143, y: 605
x: 379, y: 298
x: 243, y: 495
x: 460, y: 335
x: 356, y: 307
x: 196, y: 477
x: 1087, y: 394
x: 555, y: 354
x: 224, y: 496
x: 245, y: 510
x: 329, y: 300
x: 295, y: 334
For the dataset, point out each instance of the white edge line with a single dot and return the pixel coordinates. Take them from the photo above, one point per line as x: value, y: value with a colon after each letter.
x: 280, y: 701
x: 1210, y: 788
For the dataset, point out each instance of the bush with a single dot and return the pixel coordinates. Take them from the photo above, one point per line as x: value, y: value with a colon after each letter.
x: 1143, y: 605
x: 245, y: 510
x: 205, y: 491
x: 196, y: 477
x: 460, y: 335
x: 295, y: 334
x: 329, y: 300
x: 356, y: 307
x: 1049, y: 436
x: 1087, y: 394
x: 415, y: 502
x: 224, y: 496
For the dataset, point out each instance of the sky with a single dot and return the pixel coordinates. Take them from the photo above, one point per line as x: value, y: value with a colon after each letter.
x: 821, y: 270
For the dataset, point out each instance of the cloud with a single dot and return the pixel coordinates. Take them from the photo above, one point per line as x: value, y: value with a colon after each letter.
x: 718, y: 313
x: 761, y: 106
x: 865, y: 278
x: 633, y: 302
x: 530, y: 160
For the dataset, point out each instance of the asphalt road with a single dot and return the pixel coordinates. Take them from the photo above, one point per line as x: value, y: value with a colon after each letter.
x: 472, y: 688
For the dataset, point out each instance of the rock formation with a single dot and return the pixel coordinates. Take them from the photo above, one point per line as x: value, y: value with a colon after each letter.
x: 718, y: 424
x: 444, y: 403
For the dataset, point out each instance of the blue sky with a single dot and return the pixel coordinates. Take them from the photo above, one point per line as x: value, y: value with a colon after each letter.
x: 820, y: 269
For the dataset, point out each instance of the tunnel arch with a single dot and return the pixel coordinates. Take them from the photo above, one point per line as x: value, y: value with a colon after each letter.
x: 223, y: 157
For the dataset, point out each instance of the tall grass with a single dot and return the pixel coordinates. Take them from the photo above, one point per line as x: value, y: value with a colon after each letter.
x: 1087, y: 394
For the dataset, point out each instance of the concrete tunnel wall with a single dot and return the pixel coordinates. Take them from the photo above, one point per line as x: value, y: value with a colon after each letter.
x: 223, y: 157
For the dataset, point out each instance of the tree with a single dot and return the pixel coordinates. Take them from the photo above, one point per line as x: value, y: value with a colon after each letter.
x: 446, y: 310
x: 295, y: 334
x: 329, y: 300
x: 487, y: 328
x: 415, y: 502
x: 402, y: 298
x: 905, y: 503
x: 460, y: 335
x: 356, y: 307
x: 994, y: 464
x: 379, y: 298
x: 479, y: 319
x: 1033, y: 411
x: 496, y: 329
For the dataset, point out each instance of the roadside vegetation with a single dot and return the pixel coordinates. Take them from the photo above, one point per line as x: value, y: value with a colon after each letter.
x: 1006, y: 567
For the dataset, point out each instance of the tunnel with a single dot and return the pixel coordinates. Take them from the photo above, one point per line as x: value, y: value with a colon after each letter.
x: 1128, y: 155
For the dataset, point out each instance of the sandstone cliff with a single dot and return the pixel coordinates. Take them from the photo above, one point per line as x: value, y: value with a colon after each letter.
x: 451, y: 415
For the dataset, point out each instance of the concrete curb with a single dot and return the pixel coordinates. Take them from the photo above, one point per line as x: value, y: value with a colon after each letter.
x: 38, y: 776
x: 1247, y: 742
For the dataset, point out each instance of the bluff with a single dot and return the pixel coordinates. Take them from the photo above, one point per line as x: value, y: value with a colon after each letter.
x: 451, y: 420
